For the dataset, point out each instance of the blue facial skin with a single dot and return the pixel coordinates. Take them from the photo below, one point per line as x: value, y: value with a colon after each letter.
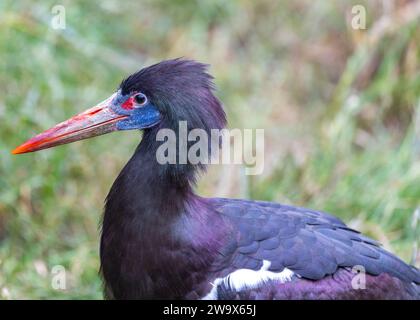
x: 142, y: 117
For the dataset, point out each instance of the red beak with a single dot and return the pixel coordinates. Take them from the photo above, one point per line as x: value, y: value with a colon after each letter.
x: 90, y: 123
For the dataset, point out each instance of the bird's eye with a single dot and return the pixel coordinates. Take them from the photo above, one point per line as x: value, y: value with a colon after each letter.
x: 140, y: 99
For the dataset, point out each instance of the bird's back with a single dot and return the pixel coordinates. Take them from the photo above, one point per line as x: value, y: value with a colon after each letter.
x: 276, y: 251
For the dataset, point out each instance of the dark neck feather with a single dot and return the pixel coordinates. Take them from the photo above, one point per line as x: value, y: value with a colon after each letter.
x: 155, y: 225
x: 148, y: 189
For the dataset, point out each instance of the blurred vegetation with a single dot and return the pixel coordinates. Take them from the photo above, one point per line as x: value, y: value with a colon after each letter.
x: 340, y: 108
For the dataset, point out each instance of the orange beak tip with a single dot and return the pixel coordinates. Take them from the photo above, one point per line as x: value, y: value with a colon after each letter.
x: 19, y: 150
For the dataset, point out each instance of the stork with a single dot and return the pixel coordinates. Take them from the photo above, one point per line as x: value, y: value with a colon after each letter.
x: 160, y: 240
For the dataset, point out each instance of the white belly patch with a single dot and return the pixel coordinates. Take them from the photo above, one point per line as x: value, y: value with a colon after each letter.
x: 243, y: 279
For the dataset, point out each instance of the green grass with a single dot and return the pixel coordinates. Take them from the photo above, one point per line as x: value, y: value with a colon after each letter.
x: 338, y: 138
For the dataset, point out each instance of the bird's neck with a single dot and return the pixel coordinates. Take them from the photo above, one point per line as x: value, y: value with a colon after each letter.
x: 146, y: 188
x: 154, y: 225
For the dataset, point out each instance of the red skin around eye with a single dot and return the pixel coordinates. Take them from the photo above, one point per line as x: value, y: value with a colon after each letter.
x: 128, y: 104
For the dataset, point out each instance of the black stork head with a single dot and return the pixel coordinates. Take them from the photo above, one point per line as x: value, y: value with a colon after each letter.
x: 156, y: 97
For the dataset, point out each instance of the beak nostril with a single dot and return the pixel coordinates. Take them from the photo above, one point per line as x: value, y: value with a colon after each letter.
x: 94, y: 112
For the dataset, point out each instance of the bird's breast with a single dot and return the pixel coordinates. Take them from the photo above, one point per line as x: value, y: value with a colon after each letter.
x: 170, y: 260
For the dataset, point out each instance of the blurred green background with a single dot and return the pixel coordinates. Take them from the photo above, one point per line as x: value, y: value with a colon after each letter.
x: 340, y: 108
